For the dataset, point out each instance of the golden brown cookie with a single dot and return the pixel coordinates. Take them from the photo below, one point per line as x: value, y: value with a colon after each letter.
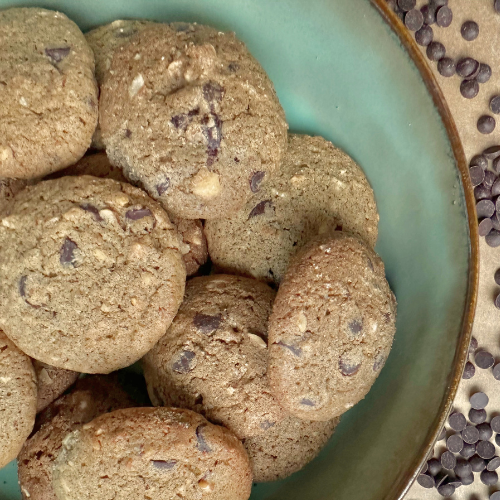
x: 91, y: 397
x: 49, y: 94
x: 331, y: 328
x: 213, y: 358
x: 91, y: 273
x: 8, y: 189
x: 318, y: 188
x: 154, y: 453
x: 17, y: 399
x: 189, y: 113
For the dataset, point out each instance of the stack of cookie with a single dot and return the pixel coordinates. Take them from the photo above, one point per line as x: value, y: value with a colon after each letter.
x: 286, y: 318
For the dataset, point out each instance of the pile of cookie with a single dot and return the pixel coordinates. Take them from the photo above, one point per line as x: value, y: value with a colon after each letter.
x: 132, y: 158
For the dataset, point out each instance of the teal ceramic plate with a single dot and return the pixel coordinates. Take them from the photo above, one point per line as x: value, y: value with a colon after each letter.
x: 341, y: 71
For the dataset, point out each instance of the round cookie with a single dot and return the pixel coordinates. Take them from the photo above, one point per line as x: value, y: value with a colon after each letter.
x: 49, y: 94
x: 154, y: 453
x: 8, y: 189
x: 318, y: 188
x: 287, y: 447
x: 331, y: 328
x: 91, y: 397
x: 90, y: 273
x: 51, y: 383
x: 213, y: 358
x: 17, y: 399
x: 188, y: 112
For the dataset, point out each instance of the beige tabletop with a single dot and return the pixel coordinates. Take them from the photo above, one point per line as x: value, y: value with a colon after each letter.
x: 486, y: 48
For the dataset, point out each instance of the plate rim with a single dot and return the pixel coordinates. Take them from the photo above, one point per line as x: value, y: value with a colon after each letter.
x: 401, y: 487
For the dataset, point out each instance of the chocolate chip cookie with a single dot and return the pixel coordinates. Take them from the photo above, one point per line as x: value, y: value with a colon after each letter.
x: 48, y: 92
x: 331, y: 328
x: 318, y: 188
x: 91, y: 273
x: 213, y: 358
x: 286, y: 447
x: 188, y: 112
x: 8, y: 189
x: 154, y: 453
x: 17, y: 399
x: 91, y: 397
x: 51, y: 383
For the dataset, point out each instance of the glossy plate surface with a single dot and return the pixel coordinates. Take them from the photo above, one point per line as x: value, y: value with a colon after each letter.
x: 340, y: 71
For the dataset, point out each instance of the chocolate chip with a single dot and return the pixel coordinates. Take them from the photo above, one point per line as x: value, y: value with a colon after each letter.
x: 486, y: 124
x: 67, y: 252
x: 446, y: 490
x: 492, y: 152
x: 470, y: 435
x: 437, y: 3
x: 485, y: 208
x: 477, y: 416
x: 348, y: 368
x: 93, y: 210
x: 448, y: 460
x: 467, y: 67
x: 473, y: 345
x: 493, y: 238
x: 469, y: 88
x: 180, y: 121
x: 212, y: 91
x: 496, y: 375
x: 477, y: 464
x: 260, y: 208
x: 435, y: 51
x: 266, y: 424
x: 255, y: 180
x: 489, y: 178
x: 22, y: 286
x: 426, y: 481
x: 469, y: 30
x: 233, y: 67
x: 128, y: 133
x: 496, y: 494
x: 355, y: 326
x: 497, y: 203
x: 496, y: 5
x: 468, y: 450
x: 163, y: 186
x: 489, y: 477
x: 297, y: 351
x: 493, y: 464
x: 163, y: 464
x: 442, y: 434
x: 495, y: 220
x: 455, y: 443
x: 479, y: 161
x: 469, y: 371
x: 207, y: 323
x: 463, y: 468
x: 213, y: 135
x: 485, y: 449
x: 57, y: 55
x: 479, y: 400
x: 484, y: 73
x: 379, y: 362
x: 496, y: 276
x: 434, y: 466
x: 183, y: 364
x: 444, y: 16
x: 138, y: 213
x: 496, y: 168
x: 307, y: 402
x: 429, y: 15
x: 495, y: 104
x: 414, y: 20
x: 466, y: 480
x: 424, y: 35
x: 446, y: 66
x: 457, y: 421
x: 482, y: 192
x: 476, y: 175
x: 497, y: 300
x: 202, y: 445
x: 485, y: 431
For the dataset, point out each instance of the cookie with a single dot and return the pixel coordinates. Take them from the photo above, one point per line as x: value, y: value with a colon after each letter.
x: 91, y: 397
x: 8, y: 189
x: 188, y: 112
x: 49, y: 94
x: 194, y: 244
x: 331, y: 328
x: 154, y: 453
x: 51, y: 383
x: 17, y: 399
x: 213, y: 358
x: 103, y: 41
x: 287, y: 447
x: 91, y: 273
x: 318, y: 188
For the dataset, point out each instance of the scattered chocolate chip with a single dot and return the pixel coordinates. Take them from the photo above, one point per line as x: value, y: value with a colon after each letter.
x: 348, y: 368
x: 495, y: 423
x: 485, y: 431
x: 67, y: 253
x: 466, y: 480
x: 463, y: 468
x: 492, y: 152
x: 479, y: 161
x: 489, y: 477
x: 446, y: 67
x: 406, y: 5
x: 163, y: 186
x: 477, y: 463
x: 455, y: 443
x: 429, y: 15
x: 297, y: 351
x: 477, y: 417
x: 424, y: 35
x: 22, y: 286
x: 489, y: 178
x: 138, y: 213
x: 163, y: 464
x: 493, y: 464
x: 469, y: 371
x: 212, y: 91
x: 457, y: 421
x: 207, y: 323
x: 485, y: 449
x: 233, y: 67
x: 183, y: 364
x: 496, y: 494
x: 493, y: 238
x: 128, y: 133
x: 467, y: 67
x: 57, y: 55
x: 479, y: 400
x: 497, y: 300
x: 414, y: 20
x: 469, y: 88
x: 260, y: 208
x: 486, y: 124
x: 484, y: 73
x: 202, y: 445
x: 435, y: 51
x: 442, y: 434
x: 266, y: 424
x: 468, y: 450
x: 495, y: 188
x: 444, y: 16
x: 446, y: 490
x: 434, y: 466
x: 495, y: 220
x: 93, y: 210
x: 437, y: 3
x: 496, y: 375
x: 484, y: 227
x: 307, y: 402
x: 497, y: 439
x: 485, y: 208
x: 448, y: 460
x: 482, y: 192
x: 470, y: 435
x: 179, y: 121
x: 495, y: 104
x: 255, y: 180
x: 426, y: 481
x: 213, y: 135
x: 469, y: 30
x: 473, y: 345
x: 355, y: 326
